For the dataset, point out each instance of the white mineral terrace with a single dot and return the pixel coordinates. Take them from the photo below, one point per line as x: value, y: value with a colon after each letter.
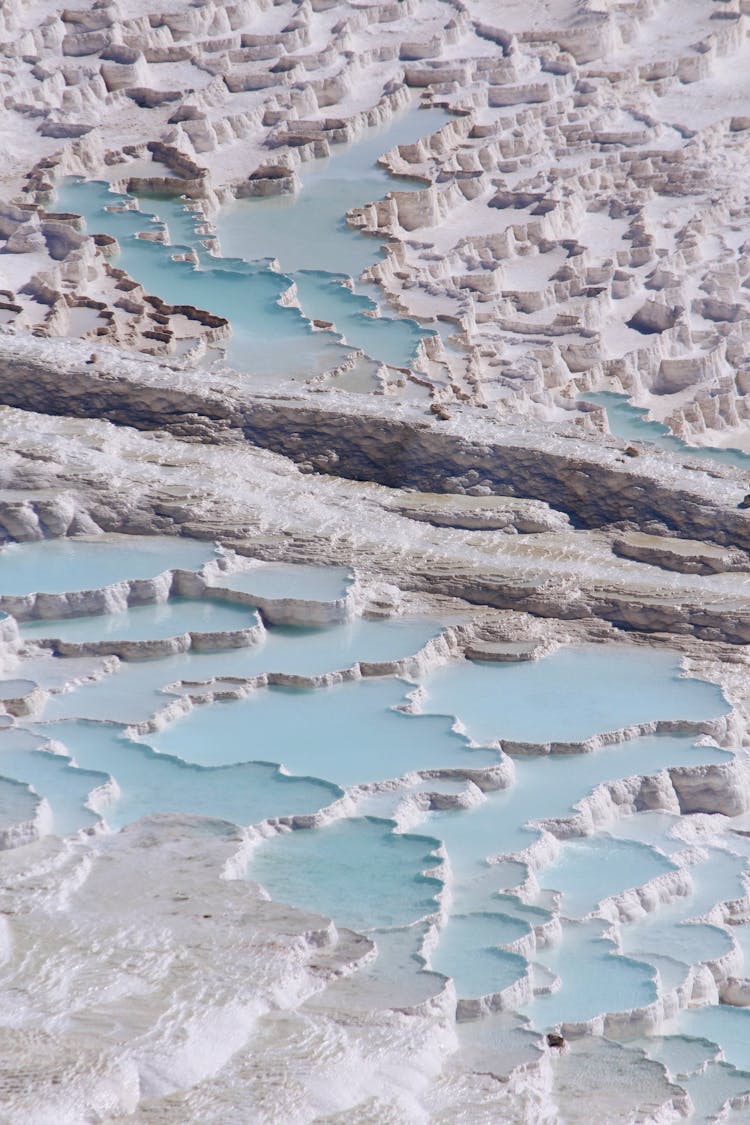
x: 375, y: 562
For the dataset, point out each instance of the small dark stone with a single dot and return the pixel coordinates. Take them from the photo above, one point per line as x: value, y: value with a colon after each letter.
x: 440, y: 411
x: 555, y: 1040
x: 631, y: 451
x: 745, y: 503
x: 93, y: 358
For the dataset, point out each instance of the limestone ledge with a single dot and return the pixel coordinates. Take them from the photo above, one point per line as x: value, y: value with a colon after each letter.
x: 721, y: 728
x: 596, y: 486
x: 510, y: 999
x: 680, y: 555
x: 736, y: 991
x: 274, y: 611
x: 436, y: 651
x: 167, y: 646
x: 119, y: 596
x: 114, y: 598
x: 360, y: 439
x: 356, y: 439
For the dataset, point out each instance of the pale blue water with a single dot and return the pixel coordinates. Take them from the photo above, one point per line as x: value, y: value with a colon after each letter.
x: 680, y: 1054
x: 710, y: 1091
x: 281, y: 580
x: 13, y: 689
x: 178, y: 216
x: 308, y: 231
x: 345, y: 733
x: 222, y: 760
x: 267, y: 339
x: 692, y: 1063
x: 57, y: 566
x: 17, y: 802
x: 357, y: 871
x: 133, y: 692
x: 547, y: 787
x: 594, y: 978
x: 304, y: 232
x: 689, y: 942
x: 590, y: 870
x: 156, y: 783
x: 631, y: 424
x: 670, y: 930
x: 728, y: 1027
x: 51, y: 775
x: 146, y: 622
x: 652, y: 827
x: 468, y: 952
x: 672, y: 974
x: 388, y: 338
x: 570, y: 695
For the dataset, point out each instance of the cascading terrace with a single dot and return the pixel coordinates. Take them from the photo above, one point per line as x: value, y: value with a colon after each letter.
x: 374, y: 556
x: 489, y: 852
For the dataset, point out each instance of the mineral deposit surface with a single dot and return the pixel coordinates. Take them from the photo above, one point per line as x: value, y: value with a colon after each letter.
x: 374, y: 561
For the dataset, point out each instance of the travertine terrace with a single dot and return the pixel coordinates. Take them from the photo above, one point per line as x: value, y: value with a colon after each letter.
x: 567, y: 228
x: 583, y: 217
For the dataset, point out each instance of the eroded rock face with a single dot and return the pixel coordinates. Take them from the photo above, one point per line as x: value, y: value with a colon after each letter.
x: 684, y: 555
x: 592, y: 497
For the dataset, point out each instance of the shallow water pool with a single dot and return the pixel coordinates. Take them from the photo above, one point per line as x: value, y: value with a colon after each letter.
x: 631, y: 423
x: 356, y: 871
x: 304, y: 231
x: 570, y: 695
x: 289, y: 580
x: 594, y: 978
x: 469, y: 953
x: 155, y: 783
x: 146, y: 622
x: 593, y: 869
x: 57, y: 566
x: 133, y: 692
x: 348, y: 734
